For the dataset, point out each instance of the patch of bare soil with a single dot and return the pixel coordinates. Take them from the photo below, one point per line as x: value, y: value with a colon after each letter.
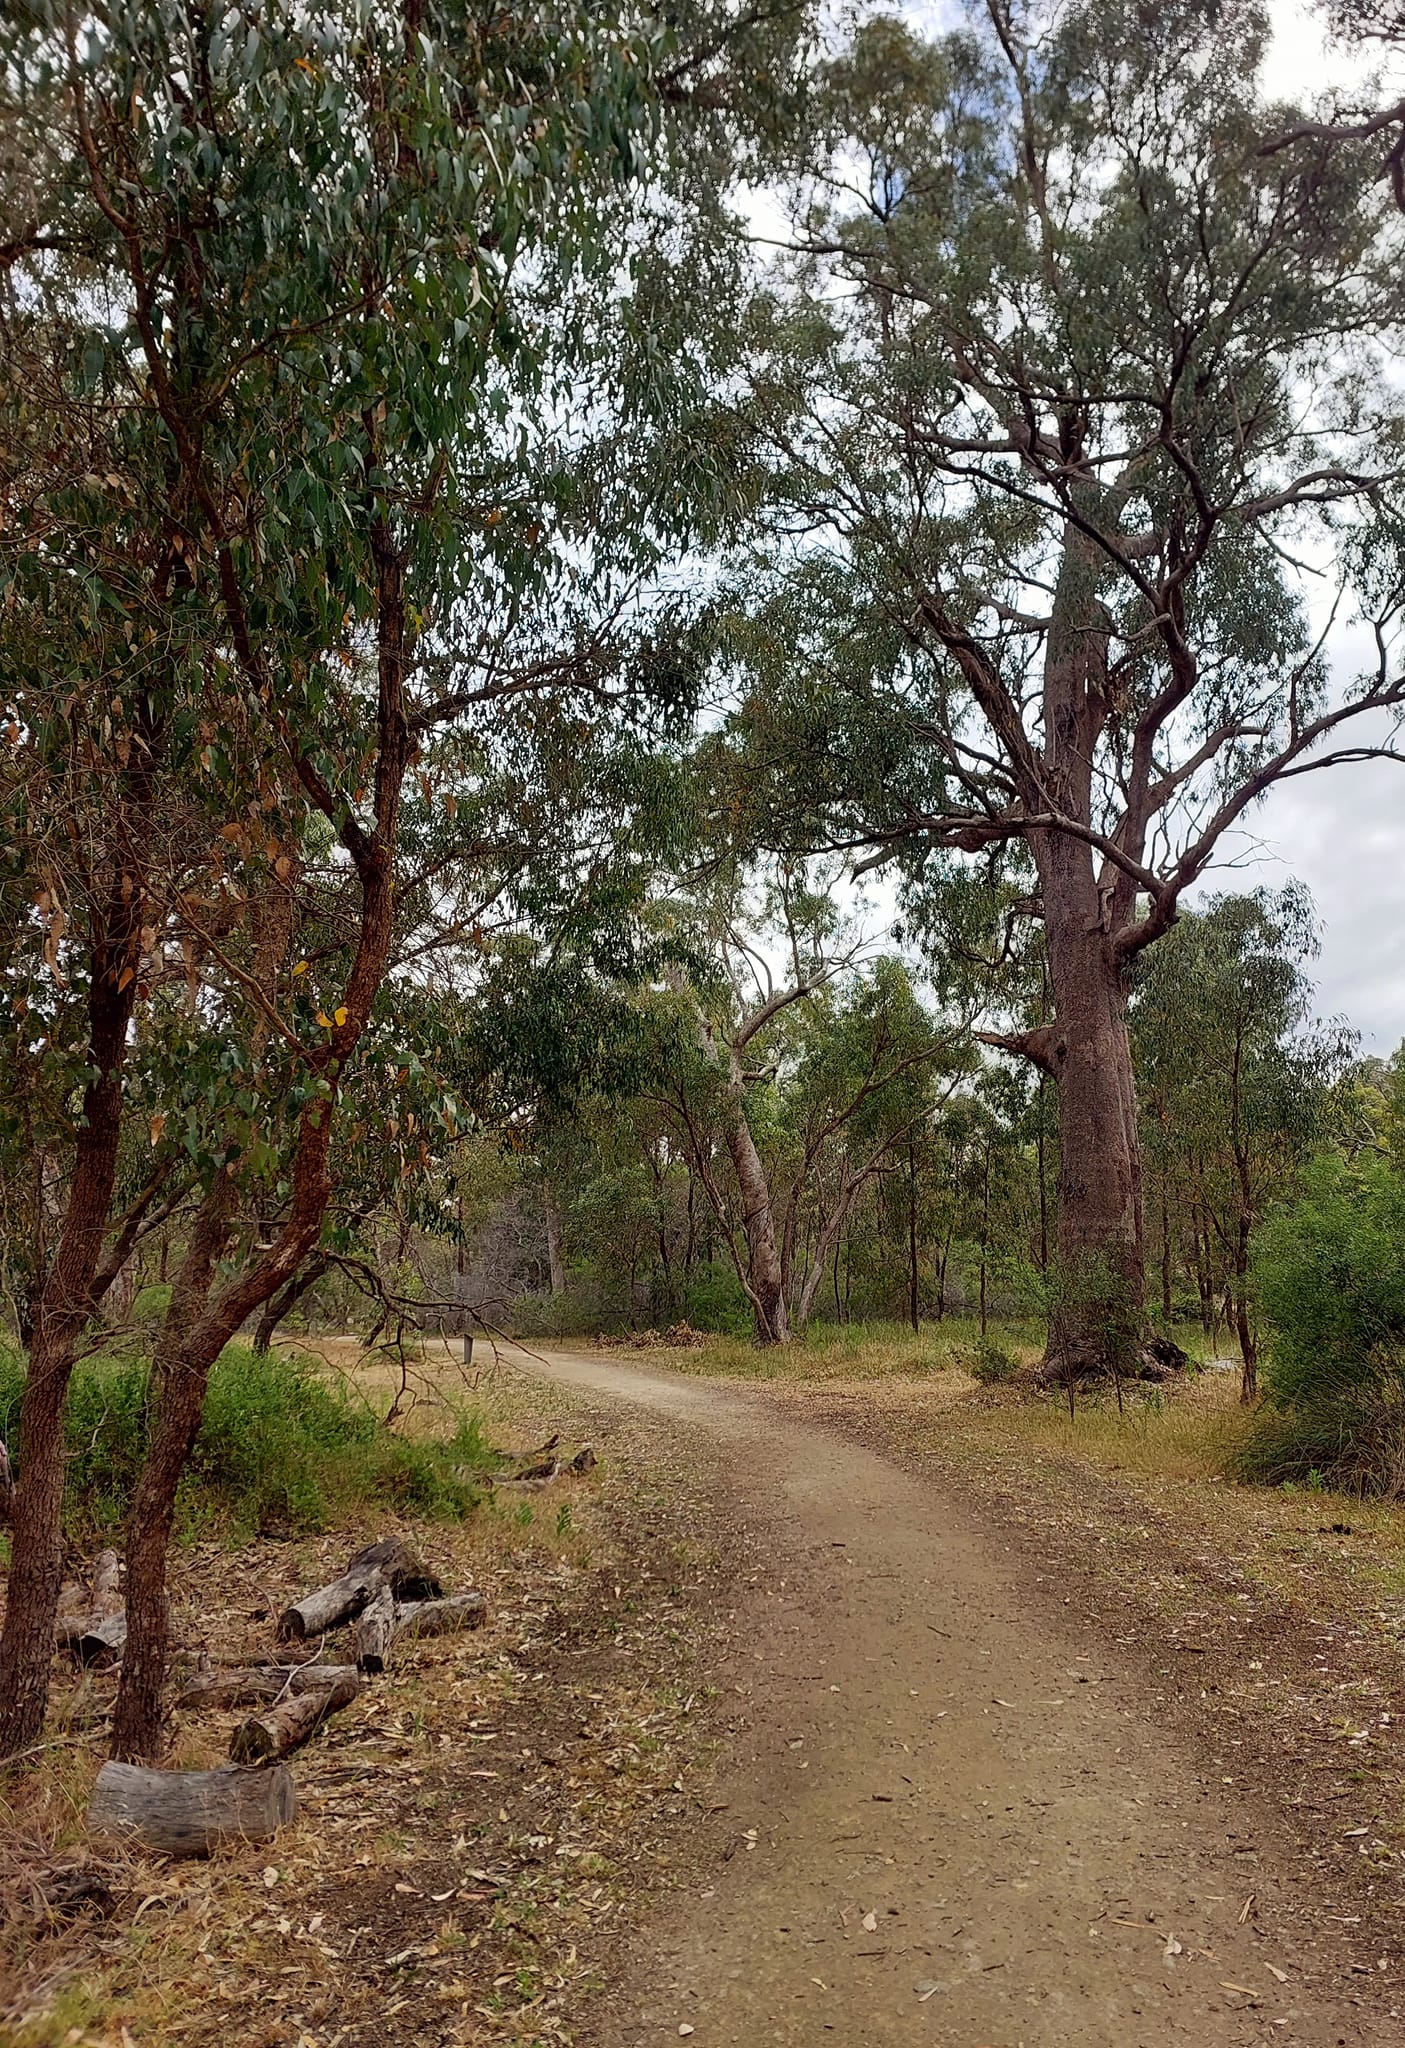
x: 473, y: 1830
x: 1269, y: 1624
x: 963, y: 1803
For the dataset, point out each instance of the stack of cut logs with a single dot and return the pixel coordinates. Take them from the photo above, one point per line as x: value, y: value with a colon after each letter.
x: 385, y: 1591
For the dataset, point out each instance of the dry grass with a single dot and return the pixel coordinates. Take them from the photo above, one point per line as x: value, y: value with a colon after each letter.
x: 840, y: 1351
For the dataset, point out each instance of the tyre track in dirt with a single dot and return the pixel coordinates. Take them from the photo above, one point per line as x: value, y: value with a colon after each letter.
x: 949, y: 1816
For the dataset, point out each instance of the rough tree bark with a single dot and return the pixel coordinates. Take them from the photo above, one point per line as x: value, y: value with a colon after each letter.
x: 180, y: 1399
x: 1098, y: 1326
x: 287, y: 1299
x: 555, y: 1258
x: 67, y: 1296
x: 136, y: 1727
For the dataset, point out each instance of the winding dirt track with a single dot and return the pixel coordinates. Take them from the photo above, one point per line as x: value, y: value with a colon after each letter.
x: 949, y: 1819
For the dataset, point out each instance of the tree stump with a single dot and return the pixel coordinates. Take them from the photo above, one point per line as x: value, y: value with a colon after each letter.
x: 103, y: 1642
x: 374, y: 1632
x: 189, y: 1813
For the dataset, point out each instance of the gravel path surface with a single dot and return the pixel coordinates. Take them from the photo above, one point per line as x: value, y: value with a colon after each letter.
x: 948, y: 1817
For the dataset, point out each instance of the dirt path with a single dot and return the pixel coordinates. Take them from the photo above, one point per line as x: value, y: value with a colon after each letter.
x: 946, y: 1815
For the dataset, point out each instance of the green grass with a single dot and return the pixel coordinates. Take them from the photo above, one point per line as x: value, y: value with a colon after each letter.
x: 1350, y: 1442
x: 835, y: 1351
x: 281, y: 1448
x: 879, y: 1350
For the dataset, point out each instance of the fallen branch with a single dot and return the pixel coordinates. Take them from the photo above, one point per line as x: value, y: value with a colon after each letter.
x: 253, y: 1684
x: 540, y: 1475
x: 93, y: 1624
x: 441, y: 1617
x: 189, y: 1813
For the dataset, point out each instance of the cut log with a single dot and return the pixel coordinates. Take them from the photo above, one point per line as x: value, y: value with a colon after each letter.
x: 103, y: 1641
x: 256, y: 1683
x: 107, y: 1583
x: 383, y: 1564
x: 189, y: 1813
x: 439, y: 1617
x: 400, y: 1568
x: 91, y: 1623
x: 374, y: 1632
x: 289, y: 1725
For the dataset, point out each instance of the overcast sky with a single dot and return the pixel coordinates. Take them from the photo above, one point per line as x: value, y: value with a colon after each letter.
x: 1343, y: 831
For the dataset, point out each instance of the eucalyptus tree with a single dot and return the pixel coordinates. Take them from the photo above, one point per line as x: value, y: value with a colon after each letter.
x: 781, y: 1054
x: 1370, y: 25
x: 747, y: 954
x: 327, y: 466
x: 1238, y: 1076
x: 1062, y: 379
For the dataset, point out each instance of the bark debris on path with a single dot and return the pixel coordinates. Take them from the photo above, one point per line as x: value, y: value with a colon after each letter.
x: 952, y: 1819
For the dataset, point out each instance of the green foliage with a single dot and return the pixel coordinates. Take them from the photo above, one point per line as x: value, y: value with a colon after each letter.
x: 281, y: 1449
x: 988, y: 1362
x: 714, y: 1300
x: 1330, y: 1276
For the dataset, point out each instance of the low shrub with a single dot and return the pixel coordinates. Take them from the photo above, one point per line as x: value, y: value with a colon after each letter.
x: 988, y: 1362
x: 1347, y: 1444
x: 1330, y: 1276
x: 281, y: 1448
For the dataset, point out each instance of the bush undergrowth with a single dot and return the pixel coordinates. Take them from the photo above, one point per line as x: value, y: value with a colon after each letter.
x: 281, y: 1449
x: 1330, y: 1275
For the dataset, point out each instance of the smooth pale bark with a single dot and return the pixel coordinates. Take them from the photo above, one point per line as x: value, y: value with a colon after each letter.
x: 765, y: 1279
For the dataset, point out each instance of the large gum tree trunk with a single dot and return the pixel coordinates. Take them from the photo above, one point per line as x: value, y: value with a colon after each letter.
x: 1097, y: 1324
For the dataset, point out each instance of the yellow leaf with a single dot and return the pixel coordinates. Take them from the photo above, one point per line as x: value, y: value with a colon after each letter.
x: 301, y: 967
x: 324, y: 1020
x: 341, y: 1015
